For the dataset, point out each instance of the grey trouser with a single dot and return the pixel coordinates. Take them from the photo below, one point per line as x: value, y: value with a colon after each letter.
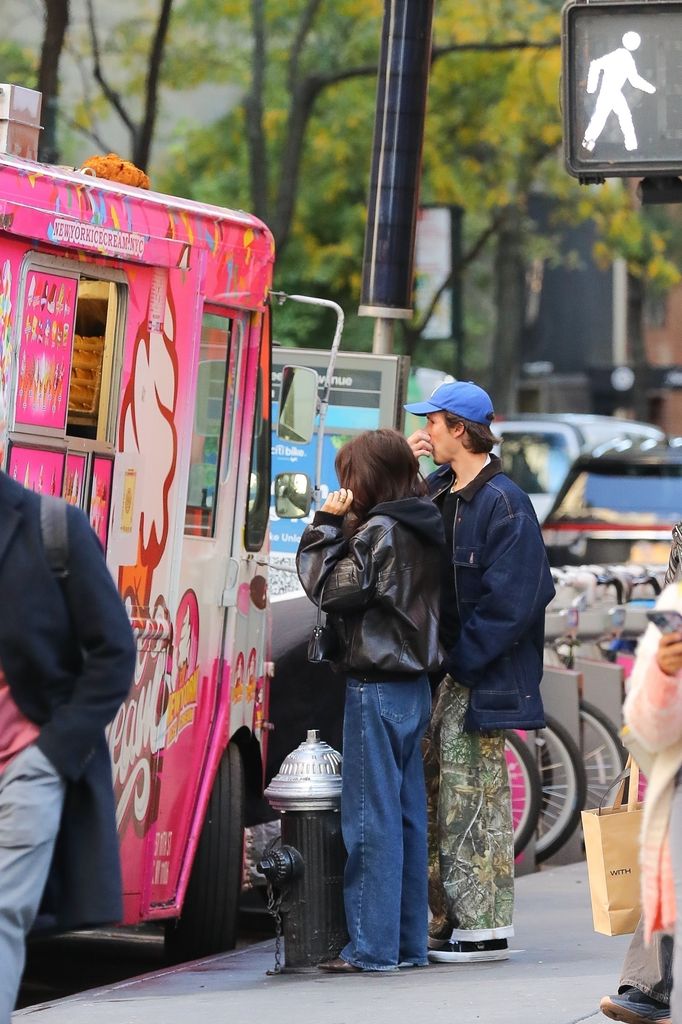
x: 31, y: 800
x: 649, y: 968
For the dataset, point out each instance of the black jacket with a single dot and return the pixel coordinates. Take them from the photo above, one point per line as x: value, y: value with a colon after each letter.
x: 381, y: 586
x: 68, y: 654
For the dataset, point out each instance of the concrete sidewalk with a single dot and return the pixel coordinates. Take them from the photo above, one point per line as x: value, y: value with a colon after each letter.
x: 557, y: 975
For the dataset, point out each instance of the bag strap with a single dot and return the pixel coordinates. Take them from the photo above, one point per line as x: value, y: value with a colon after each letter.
x: 54, y: 532
x: 318, y: 624
x: 629, y: 775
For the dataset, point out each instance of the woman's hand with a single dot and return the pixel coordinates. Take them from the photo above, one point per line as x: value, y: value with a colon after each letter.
x: 420, y: 443
x: 669, y: 654
x: 338, y: 502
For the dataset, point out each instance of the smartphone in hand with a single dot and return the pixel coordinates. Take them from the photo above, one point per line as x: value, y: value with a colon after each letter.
x: 667, y: 621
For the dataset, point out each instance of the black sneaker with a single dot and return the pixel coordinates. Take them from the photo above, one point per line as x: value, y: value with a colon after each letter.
x: 634, y: 1007
x: 470, y: 952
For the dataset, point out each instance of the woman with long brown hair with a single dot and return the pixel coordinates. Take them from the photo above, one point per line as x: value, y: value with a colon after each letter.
x: 372, y: 555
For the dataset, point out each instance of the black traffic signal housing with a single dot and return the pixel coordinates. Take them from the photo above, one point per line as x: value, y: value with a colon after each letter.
x: 622, y: 89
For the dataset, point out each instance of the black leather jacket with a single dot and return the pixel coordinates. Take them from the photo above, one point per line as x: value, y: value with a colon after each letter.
x: 380, y: 587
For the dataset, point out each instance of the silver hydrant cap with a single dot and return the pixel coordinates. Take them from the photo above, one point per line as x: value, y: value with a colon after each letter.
x: 308, y: 779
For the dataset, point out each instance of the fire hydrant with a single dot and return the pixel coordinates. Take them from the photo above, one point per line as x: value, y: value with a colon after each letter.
x: 307, y: 869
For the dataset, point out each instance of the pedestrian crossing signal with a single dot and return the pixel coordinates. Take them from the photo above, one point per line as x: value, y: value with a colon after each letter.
x: 622, y: 88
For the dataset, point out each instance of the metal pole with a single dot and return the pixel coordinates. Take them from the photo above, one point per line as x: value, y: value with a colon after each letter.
x: 382, y: 345
x: 620, y: 290
x: 388, y: 262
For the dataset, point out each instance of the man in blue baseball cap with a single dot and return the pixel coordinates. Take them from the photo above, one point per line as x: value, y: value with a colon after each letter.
x: 461, y: 397
x: 495, y: 586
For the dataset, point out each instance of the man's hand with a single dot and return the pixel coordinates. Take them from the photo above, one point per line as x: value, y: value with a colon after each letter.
x: 669, y: 654
x: 338, y: 502
x: 420, y: 443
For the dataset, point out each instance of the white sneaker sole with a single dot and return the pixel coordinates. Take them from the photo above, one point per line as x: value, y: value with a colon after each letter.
x: 444, y: 956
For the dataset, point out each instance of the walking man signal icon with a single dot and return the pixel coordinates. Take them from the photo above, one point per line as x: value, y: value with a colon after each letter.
x: 615, y: 69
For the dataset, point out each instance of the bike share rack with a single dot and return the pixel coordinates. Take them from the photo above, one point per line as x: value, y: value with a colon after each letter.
x: 597, y: 610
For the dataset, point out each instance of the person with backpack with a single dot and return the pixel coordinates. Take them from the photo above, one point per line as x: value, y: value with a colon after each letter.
x: 67, y: 657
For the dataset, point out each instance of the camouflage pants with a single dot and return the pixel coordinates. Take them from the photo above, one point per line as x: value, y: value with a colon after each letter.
x: 471, y: 839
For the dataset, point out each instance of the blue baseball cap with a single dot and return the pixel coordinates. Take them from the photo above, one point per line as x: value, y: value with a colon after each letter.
x: 460, y: 397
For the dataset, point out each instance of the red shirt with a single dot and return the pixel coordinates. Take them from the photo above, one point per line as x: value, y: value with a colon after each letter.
x: 16, y: 731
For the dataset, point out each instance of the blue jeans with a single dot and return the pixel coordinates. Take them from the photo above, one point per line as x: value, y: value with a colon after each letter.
x: 383, y: 818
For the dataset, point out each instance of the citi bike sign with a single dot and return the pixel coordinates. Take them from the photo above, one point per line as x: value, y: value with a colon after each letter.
x: 622, y: 87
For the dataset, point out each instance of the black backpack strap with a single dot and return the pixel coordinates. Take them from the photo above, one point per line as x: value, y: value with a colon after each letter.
x: 55, y: 534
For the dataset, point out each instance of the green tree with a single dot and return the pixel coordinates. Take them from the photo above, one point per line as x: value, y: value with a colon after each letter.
x: 18, y: 64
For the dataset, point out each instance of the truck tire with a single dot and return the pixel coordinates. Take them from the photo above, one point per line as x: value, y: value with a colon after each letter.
x: 209, y: 917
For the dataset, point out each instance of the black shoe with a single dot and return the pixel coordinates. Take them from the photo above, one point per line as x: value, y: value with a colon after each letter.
x: 635, y: 1007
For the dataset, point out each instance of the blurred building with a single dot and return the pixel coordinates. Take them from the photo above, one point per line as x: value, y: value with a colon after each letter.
x: 576, y: 356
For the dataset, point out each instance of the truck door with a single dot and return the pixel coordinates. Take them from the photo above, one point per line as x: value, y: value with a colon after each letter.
x: 197, y: 717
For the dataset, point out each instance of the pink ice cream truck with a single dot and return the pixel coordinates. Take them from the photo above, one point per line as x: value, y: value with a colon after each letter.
x: 135, y: 368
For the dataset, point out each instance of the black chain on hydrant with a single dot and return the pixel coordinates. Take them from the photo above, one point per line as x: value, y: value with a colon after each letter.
x: 279, y: 865
x: 274, y: 905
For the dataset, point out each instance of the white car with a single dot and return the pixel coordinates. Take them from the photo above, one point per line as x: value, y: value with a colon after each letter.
x: 538, y: 449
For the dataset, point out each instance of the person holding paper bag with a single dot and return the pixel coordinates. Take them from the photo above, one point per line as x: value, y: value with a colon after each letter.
x: 653, y: 717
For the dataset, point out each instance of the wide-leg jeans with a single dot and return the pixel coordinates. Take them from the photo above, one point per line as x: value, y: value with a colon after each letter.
x: 383, y: 819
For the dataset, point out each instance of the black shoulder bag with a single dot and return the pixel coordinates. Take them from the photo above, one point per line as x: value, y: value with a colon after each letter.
x: 324, y: 643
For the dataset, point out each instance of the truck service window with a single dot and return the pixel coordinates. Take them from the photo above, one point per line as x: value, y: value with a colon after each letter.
x: 94, y: 342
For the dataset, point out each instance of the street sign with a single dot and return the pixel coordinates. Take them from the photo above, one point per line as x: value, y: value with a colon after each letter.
x: 622, y: 88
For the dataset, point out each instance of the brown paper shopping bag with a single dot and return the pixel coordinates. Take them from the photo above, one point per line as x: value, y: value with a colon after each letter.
x: 612, y: 850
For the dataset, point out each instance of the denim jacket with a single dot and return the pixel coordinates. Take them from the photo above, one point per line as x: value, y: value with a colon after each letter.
x: 502, y: 586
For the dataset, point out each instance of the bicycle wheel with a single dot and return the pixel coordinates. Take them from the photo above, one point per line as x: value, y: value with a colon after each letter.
x: 525, y: 789
x: 564, y: 784
x: 604, y: 755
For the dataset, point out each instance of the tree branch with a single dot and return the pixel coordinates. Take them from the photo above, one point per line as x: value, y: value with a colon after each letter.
x: 304, y: 27
x: 457, y: 269
x: 143, y: 134
x: 303, y: 94
x: 511, y: 44
x: 88, y: 133
x: 306, y: 91
x: 301, y: 108
x: 110, y: 93
x: 367, y: 70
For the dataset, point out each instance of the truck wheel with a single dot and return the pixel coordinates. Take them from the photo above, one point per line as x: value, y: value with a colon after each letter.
x: 209, y: 916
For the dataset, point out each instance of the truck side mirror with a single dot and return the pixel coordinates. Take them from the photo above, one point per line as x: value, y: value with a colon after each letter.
x: 297, y: 404
x: 293, y: 495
